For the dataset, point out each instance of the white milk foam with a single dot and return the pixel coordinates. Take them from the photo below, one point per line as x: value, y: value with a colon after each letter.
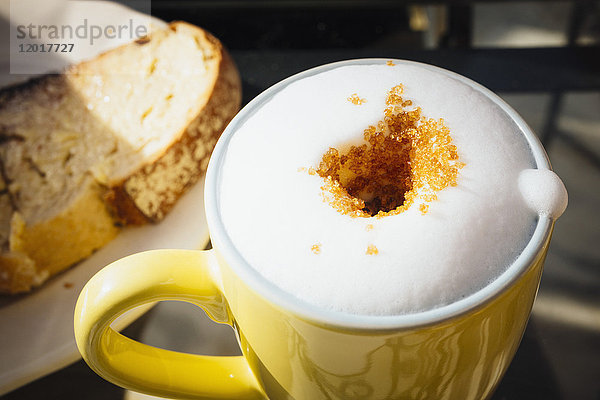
x: 274, y: 213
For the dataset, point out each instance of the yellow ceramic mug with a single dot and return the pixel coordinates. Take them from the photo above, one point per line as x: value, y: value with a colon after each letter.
x: 292, y: 350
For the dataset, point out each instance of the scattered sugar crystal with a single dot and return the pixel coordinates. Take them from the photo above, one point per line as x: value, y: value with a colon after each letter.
x: 356, y: 100
x: 372, y: 250
x: 316, y: 248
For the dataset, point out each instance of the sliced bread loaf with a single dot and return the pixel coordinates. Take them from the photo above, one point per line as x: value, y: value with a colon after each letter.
x: 112, y: 141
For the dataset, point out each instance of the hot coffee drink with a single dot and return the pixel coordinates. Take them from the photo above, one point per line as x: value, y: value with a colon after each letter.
x: 383, y: 188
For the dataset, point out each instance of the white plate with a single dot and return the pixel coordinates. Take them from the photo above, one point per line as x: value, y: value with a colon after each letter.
x: 36, y: 330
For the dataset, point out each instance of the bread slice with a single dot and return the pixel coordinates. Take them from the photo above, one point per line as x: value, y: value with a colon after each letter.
x: 112, y: 141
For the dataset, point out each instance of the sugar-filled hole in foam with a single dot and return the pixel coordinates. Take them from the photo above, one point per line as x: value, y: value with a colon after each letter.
x: 375, y: 176
x: 405, y: 157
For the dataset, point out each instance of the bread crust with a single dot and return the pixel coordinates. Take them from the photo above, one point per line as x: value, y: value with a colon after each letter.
x: 143, y: 197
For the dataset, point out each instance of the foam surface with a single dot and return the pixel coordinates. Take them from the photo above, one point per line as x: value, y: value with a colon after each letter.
x: 275, y: 214
x: 543, y: 191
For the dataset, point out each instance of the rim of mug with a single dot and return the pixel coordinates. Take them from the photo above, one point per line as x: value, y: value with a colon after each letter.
x: 338, y: 319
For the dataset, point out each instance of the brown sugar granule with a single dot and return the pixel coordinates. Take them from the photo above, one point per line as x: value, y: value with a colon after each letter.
x: 354, y: 99
x: 390, y: 63
x: 316, y: 248
x: 424, y: 208
x: 371, y: 250
x: 404, y: 157
x: 67, y: 285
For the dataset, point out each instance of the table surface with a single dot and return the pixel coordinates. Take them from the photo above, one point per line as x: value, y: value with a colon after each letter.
x: 557, y: 91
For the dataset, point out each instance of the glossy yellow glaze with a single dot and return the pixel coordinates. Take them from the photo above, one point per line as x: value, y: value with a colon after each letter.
x: 140, y: 279
x: 285, y: 355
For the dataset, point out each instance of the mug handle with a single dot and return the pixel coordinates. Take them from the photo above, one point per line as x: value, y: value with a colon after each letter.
x: 145, y: 278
